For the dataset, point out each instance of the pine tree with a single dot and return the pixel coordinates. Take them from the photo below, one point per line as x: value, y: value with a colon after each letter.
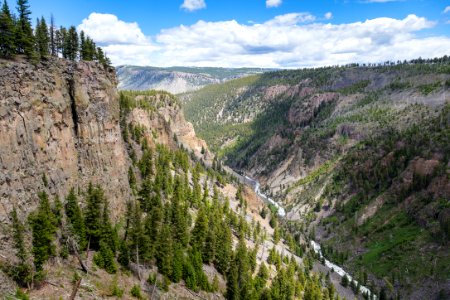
x: 71, y: 44
x: 124, y: 254
x: 200, y: 230
x: 177, y: 264
x: 83, y: 53
x: 22, y: 272
x: 52, y: 33
x: 189, y: 276
x: 179, y: 214
x: 109, y: 233
x: 209, y: 248
x: 232, y: 282
x: 43, y: 226
x: 7, y: 39
x: 60, y: 37
x: 105, y: 258
x: 224, y: 249
x: 58, y: 211
x: 138, y: 240
x: 42, y: 38
x: 24, y: 32
x: 164, y: 250
x: 92, y: 215
x: 87, y: 47
x: 75, y: 219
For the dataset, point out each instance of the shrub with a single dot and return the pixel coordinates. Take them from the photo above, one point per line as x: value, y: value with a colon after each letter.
x: 136, y: 291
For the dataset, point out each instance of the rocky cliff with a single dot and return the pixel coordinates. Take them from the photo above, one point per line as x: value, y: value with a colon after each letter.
x: 59, y: 126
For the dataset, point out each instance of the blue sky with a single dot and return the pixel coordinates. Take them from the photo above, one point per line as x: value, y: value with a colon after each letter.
x: 266, y: 33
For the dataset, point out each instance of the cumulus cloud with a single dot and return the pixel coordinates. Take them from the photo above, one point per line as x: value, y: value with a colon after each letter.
x: 286, y: 41
x: 273, y: 3
x: 328, y: 15
x: 108, y: 29
x: 446, y: 10
x: 192, y: 5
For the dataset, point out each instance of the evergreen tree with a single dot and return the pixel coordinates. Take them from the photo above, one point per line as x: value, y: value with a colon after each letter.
x: 109, y: 233
x: 75, y: 219
x: 42, y: 38
x: 224, y: 249
x: 60, y: 37
x: 92, y: 216
x: 105, y: 258
x: 124, y: 254
x: 164, y: 251
x: 87, y: 47
x: 52, y: 33
x: 189, y: 276
x: 58, y: 211
x: 177, y: 264
x: 42, y: 224
x: 200, y: 230
x: 138, y: 240
x: 209, y: 248
x: 70, y: 44
x: 22, y: 273
x: 232, y: 283
x: 7, y: 39
x: 24, y: 32
x: 179, y: 214
x: 345, y: 281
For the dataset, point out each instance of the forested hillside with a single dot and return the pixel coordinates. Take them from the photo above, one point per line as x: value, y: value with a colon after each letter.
x: 188, y: 231
x: 357, y: 154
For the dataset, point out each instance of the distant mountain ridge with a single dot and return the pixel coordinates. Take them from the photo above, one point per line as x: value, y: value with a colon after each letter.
x: 178, y: 80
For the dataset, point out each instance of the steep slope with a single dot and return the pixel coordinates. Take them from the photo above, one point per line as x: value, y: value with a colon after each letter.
x: 156, y: 222
x: 343, y: 149
x: 176, y: 79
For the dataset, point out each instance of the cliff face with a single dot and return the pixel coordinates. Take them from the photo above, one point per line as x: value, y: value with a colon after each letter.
x: 165, y: 122
x: 62, y: 120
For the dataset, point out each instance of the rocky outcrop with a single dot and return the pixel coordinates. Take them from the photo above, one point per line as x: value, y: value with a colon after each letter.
x: 167, y: 121
x: 59, y: 120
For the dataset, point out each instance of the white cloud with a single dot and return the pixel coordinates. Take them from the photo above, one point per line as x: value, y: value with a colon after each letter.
x: 291, y: 19
x: 446, y: 10
x: 287, y: 41
x: 108, y: 29
x: 192, y: 5
x: 328, y: 15
x: 273, y: 3
x: 381, y: 1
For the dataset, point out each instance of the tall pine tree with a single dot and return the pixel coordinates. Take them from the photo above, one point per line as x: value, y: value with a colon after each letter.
x: 42, y: 39
x: 93, y: 216
x: 22, y: 272
x: 24, y: 32
x: 43, y: 225
x: 7, y: 38
x: 75, y: 219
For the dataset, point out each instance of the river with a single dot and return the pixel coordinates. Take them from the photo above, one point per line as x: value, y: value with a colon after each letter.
x: 282, y: 213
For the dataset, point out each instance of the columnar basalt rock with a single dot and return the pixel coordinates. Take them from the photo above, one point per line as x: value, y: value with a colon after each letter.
x: 59, y: 120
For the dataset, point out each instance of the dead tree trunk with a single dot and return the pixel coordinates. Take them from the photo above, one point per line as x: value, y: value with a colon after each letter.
x: 75, y: 289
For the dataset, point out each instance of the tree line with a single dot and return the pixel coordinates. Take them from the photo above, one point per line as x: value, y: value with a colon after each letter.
x: 17, y: 37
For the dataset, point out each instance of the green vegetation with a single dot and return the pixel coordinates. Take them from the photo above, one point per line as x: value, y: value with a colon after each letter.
x: 17, y: 37
x: 374, y: 158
